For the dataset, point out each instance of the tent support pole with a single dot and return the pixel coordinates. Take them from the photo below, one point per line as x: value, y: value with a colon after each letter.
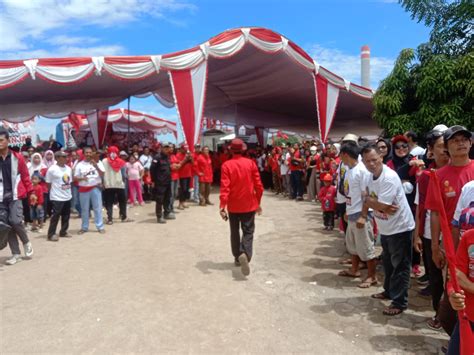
x: 128, y: 125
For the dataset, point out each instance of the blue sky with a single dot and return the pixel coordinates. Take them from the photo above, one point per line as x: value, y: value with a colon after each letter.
x: 332, y: 31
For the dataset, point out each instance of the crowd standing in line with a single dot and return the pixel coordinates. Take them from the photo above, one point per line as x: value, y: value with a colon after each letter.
x: 369, y: 190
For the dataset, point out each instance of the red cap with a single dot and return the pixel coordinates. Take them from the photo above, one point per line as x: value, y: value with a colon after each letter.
x: 327, y: 177
x: 399, y: 138
x: 237, y: 145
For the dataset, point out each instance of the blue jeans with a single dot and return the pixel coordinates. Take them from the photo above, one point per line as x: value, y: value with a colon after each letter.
x: 297, y: 183
x: 174, y: 193
x: 195, y: 196
x: 396, y: 257
x: 95, y: 197
x: 75, y: 203
x: 454, y: 346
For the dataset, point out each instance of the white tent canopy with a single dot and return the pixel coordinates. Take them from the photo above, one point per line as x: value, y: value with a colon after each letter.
x: 250, y: 76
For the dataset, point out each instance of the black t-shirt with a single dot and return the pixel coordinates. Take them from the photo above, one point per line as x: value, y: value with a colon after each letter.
x: 6, y: 178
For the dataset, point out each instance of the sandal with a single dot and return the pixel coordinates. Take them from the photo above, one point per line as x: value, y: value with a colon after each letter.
x: 434, y: 323
x: 348, y: 273
x: 367, y: 283
x: 380, y: 296
x: 392, y: 311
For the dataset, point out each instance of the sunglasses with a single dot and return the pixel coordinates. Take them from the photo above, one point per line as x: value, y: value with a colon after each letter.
x: 400, y: 146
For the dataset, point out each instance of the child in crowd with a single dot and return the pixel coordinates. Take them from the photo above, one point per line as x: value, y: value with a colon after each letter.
x: 36, y: 201
x: 147, y: 185
x: 134, y: 173
x: 327, y: 197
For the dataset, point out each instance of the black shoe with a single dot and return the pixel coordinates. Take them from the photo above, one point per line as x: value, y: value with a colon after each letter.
x: 170, y: 216
x: 161, y: 220
x: 423, y: 280
x: 53, y: 238
x: 236, y: 262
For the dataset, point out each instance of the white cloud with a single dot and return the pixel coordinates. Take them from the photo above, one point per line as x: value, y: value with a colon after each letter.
x: 63, y: 40
x: 26, y: 25
x: 348, y: 65
x: 66, y: 51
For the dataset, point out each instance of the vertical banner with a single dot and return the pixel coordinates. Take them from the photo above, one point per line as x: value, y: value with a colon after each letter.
x: 189, y: 91
x: 327, y: 96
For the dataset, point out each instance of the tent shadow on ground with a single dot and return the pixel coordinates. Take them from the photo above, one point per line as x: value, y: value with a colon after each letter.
x: 333, y: 247
x: 370, y: 308
x: 405, y: 343
x: 149, y: 220
x: 206, y: 267
x: 318, y: 263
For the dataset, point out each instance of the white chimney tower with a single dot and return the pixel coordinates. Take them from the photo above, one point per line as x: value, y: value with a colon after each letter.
x: 365, y: 66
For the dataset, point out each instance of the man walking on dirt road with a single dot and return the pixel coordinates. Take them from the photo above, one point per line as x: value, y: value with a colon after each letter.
x: 241, y: 192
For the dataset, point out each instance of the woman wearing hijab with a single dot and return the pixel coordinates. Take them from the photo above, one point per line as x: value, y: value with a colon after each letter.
x: 114, y: 184
x: 49, y: 158
x: 401, y: 163
x: 48, y: 161
x: 37, y: 167
x: 385, y: 149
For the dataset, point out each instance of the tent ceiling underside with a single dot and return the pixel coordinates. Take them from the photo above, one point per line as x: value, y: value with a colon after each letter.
x: 250, y: 87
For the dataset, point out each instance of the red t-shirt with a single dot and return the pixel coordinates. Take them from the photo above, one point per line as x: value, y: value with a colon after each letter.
x: 452, y: 179
x: 186, y: 170
x: 465, y: 263
x: 327, y: 196
x: 38, y: 192
x: 174, y: 172
x: 295, y: 167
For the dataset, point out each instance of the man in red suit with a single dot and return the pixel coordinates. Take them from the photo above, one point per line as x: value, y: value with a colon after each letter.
x: 241, y: 193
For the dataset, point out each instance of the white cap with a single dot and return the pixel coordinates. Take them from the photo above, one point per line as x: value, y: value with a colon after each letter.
x: 440, y: 128
x: 350, y: 137
x: 313, y: 147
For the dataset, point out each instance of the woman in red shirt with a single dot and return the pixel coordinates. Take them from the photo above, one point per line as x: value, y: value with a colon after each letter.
x: 204, y: 170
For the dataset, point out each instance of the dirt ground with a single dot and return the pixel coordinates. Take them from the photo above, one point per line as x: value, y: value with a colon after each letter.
x: 149, y: 288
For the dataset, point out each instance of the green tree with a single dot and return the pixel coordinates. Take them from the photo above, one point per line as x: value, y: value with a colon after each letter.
x: 435, y: 83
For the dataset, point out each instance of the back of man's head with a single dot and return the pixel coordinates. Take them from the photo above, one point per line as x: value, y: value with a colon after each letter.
x: 351, y: 149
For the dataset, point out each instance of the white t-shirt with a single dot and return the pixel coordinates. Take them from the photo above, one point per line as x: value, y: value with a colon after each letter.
x: 427, y: 231
x: 464, y: 214
x: 146, y: 160
x: 284, y: 168
x: 388, y: 189
x: 60, y: 179
x: 354, y: 184
x: 87, y: 170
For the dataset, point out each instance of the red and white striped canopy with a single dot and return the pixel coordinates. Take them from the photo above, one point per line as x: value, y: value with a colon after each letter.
x: 138, y: 122
x: 251, y: 76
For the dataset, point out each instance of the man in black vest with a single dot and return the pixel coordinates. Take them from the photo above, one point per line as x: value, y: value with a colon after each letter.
x: 160, y: 171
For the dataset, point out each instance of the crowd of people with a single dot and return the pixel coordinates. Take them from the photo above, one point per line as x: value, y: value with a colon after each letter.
x: 371, y: 190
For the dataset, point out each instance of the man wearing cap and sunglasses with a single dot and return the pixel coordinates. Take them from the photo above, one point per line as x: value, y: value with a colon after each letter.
x: 452, y: 178
x: 240, y: 196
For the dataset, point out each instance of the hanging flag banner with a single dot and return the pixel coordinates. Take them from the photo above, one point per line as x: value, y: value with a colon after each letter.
x: 189, y: 91
x: 98, y: 125
x: 327, y: 96
x: 20, y: 131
